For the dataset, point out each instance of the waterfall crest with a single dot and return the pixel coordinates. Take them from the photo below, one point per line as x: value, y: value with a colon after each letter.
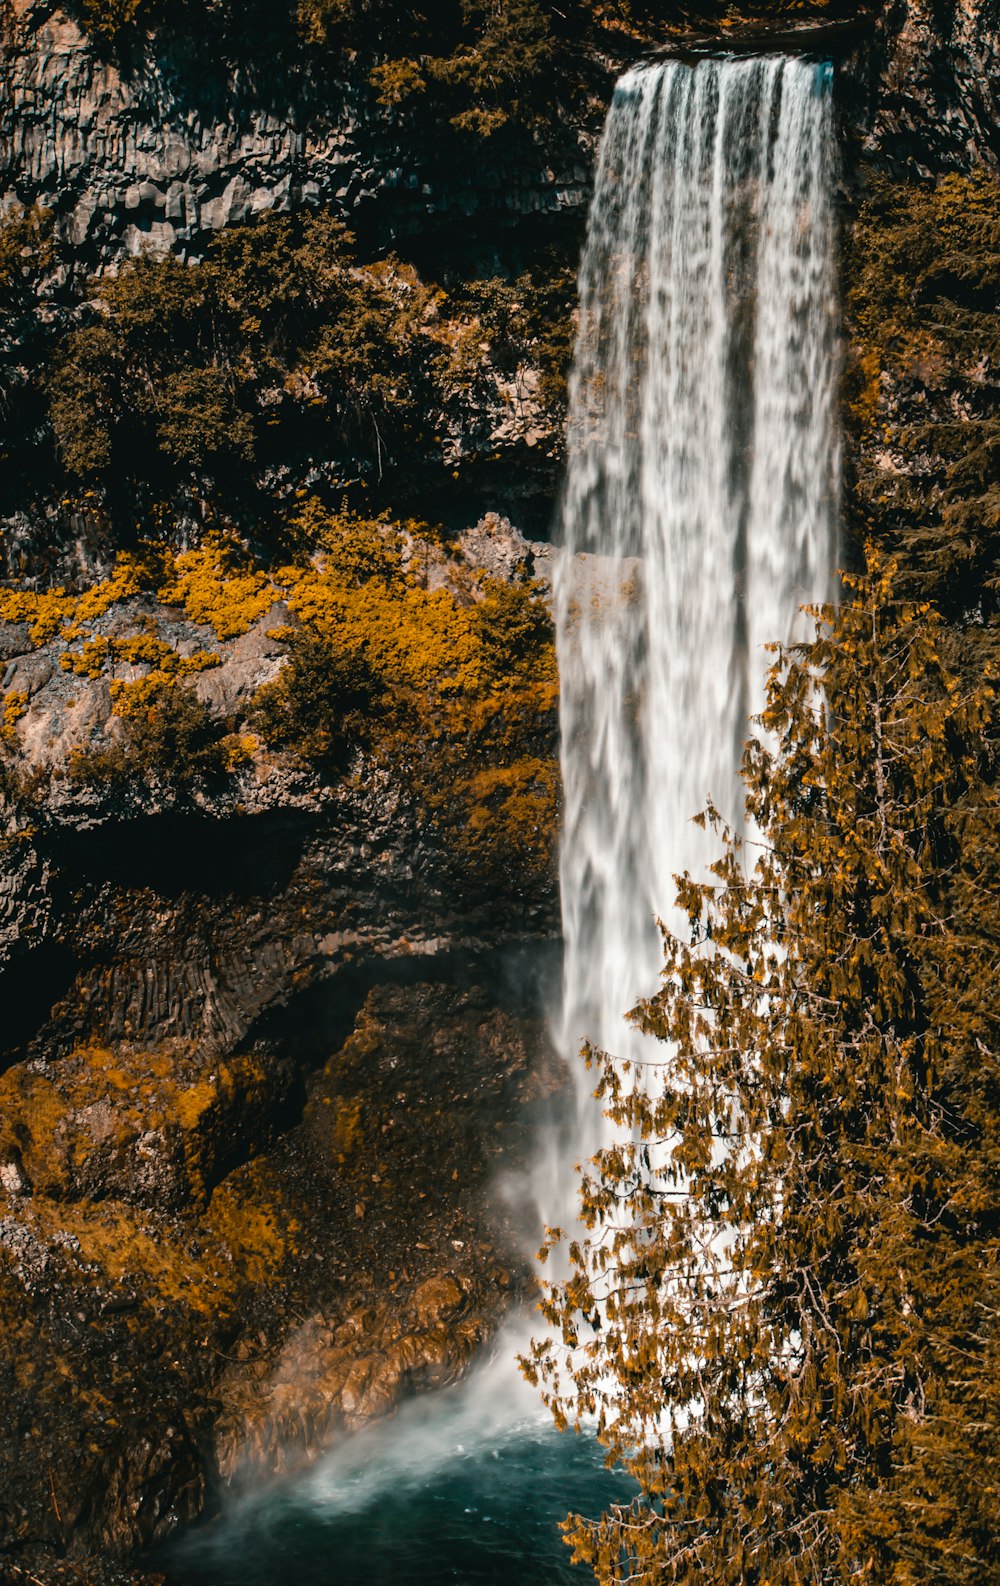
x: 700, y: 503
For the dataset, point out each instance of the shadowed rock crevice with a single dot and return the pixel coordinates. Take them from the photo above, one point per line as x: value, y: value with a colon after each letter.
x: 177, y: 853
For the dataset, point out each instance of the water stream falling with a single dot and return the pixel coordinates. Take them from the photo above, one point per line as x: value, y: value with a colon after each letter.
x: 699, y: 513
x: 700, y: 501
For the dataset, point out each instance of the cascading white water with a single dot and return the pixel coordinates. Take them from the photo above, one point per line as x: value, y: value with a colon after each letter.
x: 700, y: 502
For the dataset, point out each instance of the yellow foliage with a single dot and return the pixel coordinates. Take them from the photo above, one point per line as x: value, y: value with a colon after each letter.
x: 117, y: 1239
x: 144, y: 649
x: 863, y: 391
x: 100, y: 1099
x: 239, y: 749
x: 15, y: 703
x: 124, y: 583
x: 130, y: 700
x: 516, y: 804
x: 250, y: 1228
x: 213, y: 591
x: 44, y: 613
x: 395, y: 81
x: 103, y: 1100
x: 413, y: 637
x: 52, y: 611
x: 347, y: 1129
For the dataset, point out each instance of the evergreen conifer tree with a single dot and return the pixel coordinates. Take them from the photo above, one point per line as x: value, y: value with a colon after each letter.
x: 784, y: 1305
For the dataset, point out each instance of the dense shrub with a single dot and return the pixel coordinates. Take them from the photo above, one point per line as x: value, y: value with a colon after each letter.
x: 515, y: 630
x: 168, y: 736
x: 321, y: 704
x: 284, y: 347
x: 478, y: 64
x: 356, y: 549
x: 924, y: 269
x: 483, y: 43
x: 27, y: 251
x: 531, y: 312
x: 502, y: 70
x: 184, y: 370
x: 484, y: 51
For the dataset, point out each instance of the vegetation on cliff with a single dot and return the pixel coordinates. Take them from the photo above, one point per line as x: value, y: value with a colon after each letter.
x: 924, y: 272
x: 209, y: 1255
x: 442, y: 677
x: 179, y: 395
x: 214, y: 381
x: 786, y: 1318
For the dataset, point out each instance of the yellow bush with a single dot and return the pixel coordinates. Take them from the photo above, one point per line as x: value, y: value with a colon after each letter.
x: 144, y: 649
x: 52, y: 611
x: 214, y: 591
x: 15, y: 704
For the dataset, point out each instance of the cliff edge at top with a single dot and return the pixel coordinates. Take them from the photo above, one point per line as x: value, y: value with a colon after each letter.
x: 160, y: 132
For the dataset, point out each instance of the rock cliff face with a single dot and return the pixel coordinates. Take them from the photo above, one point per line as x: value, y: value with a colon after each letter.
x: 163, y: 1340
x: 255, y: 894
x: 165, y: 148
x: 934, y: 75
x: 269, y: 1042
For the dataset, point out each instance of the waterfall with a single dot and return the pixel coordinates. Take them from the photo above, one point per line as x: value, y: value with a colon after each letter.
x: 700, y: 503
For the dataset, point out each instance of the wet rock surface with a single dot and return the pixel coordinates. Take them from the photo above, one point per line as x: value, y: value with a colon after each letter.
x: 156, y: 1346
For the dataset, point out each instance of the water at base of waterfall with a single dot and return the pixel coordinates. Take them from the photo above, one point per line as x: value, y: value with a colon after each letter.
x: 431, y: 1498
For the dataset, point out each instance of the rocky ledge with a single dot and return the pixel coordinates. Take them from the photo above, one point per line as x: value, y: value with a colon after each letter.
x: 276, y: 1033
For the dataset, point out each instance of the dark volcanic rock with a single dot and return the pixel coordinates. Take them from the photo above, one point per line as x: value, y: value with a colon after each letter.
x: 166, y: 147
x: 936, y: 100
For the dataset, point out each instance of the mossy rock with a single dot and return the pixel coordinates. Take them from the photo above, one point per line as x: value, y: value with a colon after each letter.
x: 154, y: 1128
